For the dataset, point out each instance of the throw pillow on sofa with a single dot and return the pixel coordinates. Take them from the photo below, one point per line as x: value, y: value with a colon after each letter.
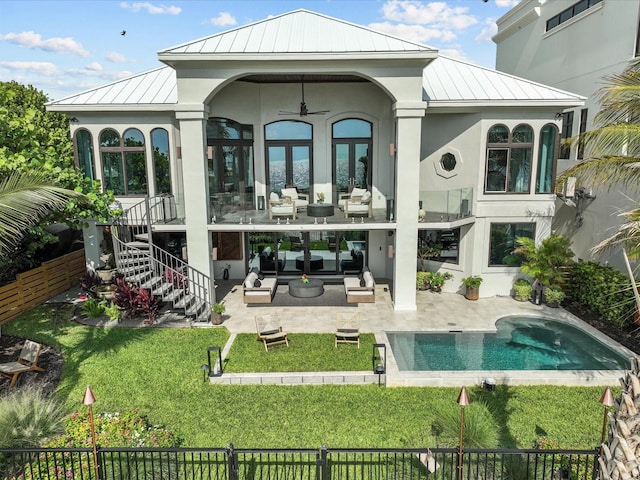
x: 257, y: 283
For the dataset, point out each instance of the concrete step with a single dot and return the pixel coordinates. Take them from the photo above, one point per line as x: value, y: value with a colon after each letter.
x: 196, y: 308
x: 139, y: 245
x: 174, y: 295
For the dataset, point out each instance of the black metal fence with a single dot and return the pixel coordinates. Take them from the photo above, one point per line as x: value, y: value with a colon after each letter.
x: 297, y: 464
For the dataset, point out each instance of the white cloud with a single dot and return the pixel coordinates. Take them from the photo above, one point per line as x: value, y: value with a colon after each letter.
x: 96, y: 70
x: 507, y: 3
x: 41, y: 68
x: 223, y: 19
x: 115, y: 57
x: 487, y: 32
x: 54, y: 44
x: 456, y: 53
x: 414, y: 33
x: 151, y: 8
x: 433, y: 14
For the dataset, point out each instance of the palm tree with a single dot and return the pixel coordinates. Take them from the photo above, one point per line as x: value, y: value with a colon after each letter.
x: 25, y: 199
x: 613, y: 148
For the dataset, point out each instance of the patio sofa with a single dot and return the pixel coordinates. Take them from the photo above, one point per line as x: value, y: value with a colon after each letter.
x: 361, y: 288
x: 256, y: 290
x: 268, y: 261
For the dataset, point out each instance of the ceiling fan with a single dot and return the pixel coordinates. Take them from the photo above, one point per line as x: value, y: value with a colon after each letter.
x: 304, y: 111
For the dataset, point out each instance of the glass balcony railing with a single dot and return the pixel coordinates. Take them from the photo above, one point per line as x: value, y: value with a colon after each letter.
x: 446, y: 206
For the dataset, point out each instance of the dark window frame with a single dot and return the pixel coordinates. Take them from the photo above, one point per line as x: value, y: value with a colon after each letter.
x: 76, y: 154
x: 509, y: 146
x: 584, y: 113
x: 124, y: 152
x: 566, y: 133
x: 510, y: 241
x: 568, y: 13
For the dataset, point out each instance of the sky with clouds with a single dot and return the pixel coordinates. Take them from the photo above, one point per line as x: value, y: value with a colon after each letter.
x: 67, y: 46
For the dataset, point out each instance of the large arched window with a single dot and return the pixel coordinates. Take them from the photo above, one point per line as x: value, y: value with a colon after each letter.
x: 289, y: 145
x: 547, y: 159
x: 509, y: 159
x: 84, y: 153
x: 123, y: 163
x: 161, y: 160
x: 351, y: 139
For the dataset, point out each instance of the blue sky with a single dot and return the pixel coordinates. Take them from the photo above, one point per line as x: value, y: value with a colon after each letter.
x: 65, y: 47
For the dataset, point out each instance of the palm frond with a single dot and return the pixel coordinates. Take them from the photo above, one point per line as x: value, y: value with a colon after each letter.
x: 607, y: 171
x: 26, y: 198
x: 627, y: 236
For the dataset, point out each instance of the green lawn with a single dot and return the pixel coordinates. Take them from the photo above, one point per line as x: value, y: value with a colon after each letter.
x: 158, y: 372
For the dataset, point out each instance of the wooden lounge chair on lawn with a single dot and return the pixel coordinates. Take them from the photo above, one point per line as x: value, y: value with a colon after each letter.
x: 27, y: 362
x: 348, y: 329
x: 270, y: 331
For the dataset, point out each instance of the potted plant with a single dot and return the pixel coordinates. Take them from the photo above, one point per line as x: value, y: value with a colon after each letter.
x: 425, y: 252
x: 217, y: 310
x: 553, y: 296
x: 522, y: 290
x: 423, y: 280
x: 438, y: 279
x: 472, y: 285
x: 320, y: 196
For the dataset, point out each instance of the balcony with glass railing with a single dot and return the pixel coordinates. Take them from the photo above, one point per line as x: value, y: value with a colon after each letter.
x: 445, y: 206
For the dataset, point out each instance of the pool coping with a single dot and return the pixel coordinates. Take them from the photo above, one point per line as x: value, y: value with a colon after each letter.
x: 456, y: 378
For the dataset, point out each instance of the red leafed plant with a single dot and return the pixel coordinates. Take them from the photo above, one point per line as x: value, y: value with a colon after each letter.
x: 148, y: 304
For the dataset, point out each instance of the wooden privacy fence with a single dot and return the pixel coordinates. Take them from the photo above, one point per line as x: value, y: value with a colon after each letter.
x: 35, y: 286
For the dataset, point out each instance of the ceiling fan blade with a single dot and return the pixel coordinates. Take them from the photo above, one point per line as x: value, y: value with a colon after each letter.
x: 319, y: 112
x: 284, y: 112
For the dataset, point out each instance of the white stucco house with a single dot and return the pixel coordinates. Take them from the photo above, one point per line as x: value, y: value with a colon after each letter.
x: 433, y: 150
x: 573, y: 45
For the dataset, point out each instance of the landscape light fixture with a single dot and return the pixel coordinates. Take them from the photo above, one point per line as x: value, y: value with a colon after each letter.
x: 379, y: 360
x: 606, y: 400
x: 88, y: 400
x: 463, y: 401
x: 215, y: 370
x: 205, y: 370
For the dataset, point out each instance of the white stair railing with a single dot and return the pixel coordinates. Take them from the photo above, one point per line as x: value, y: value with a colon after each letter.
x: 148, y: 266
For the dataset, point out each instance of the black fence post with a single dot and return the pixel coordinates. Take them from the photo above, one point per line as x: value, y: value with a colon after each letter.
x: 232, y: 462
x: 596, y: 463
x: 323, y: 468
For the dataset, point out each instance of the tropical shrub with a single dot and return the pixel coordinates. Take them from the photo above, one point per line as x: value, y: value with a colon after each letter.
x: 147, y: 304
x: 603, y: 290
x: 522, y: 289
x: 545, y: 263
x: 553, y: 295
x: 423, y: 280
x: 112, y: 311
x: 92, y: 308
x: 28, y: 417
x: 127, y: 429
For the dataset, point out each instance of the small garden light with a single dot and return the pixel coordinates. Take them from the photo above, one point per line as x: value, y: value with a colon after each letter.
x: 463, y: 401
x: 89, y: 399
x: 205, y: 370
x: 606, y: 400
x: 379, y: 359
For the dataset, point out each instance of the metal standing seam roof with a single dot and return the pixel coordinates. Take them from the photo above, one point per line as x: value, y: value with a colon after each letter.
x: 448, y: 81
x: 300, y: 31
x: 154, y: 87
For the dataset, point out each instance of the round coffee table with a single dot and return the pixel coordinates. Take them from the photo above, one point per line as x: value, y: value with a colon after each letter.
x: 315, y: 262
x: 314, y: 288
x: 320, y: 210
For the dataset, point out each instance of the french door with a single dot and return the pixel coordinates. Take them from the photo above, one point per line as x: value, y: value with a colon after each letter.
x: 289, y: 164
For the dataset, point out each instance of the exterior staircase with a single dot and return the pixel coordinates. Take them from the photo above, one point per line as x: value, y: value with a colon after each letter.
x: 173, y: 281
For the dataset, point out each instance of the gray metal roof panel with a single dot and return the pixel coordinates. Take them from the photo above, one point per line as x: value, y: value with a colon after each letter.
x: 446, y: 79
x: 300, y: 31
x: 158, y: 86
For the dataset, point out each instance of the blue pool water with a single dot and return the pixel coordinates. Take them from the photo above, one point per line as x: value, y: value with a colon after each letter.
x: 520, y: 343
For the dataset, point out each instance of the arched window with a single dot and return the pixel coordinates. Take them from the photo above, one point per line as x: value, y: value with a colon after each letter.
x: 161, y: 160
x: 123, y: 166
x: 289, y: 145
x: 84, y: 153
x: 546, y: 159
x: 509, y: 159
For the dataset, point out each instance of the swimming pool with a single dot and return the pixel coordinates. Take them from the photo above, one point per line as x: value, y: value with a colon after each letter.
x: 520, y: 343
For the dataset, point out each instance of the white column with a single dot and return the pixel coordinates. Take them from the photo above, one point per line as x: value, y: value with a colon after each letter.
x: 196, y: 189
x: 409, y: 117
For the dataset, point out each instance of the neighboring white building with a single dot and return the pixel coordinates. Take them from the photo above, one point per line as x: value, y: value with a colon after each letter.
x: 573, y: 45
x: 219, y: 128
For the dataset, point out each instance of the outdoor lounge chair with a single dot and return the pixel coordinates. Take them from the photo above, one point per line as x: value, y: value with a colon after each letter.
x: 27, y: 362
x: 270, y: 332
x: 348, y: 329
